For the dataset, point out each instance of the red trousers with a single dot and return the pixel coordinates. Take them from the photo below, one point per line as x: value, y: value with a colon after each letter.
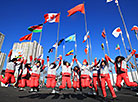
x: 95, y: 80
x: 106, y: 78
x: 76, y: 84
x: 85, y: 80
x: 126, y: 80
x: 65, y: 78
x: 34, y: 81
x: 8, y: 78
x: 51, y: 82
x: 23, y: 83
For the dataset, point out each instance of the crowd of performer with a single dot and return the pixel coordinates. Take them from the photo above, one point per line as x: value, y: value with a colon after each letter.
x: 29, y: 73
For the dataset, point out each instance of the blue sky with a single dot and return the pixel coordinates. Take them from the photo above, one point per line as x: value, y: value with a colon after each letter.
x: 18, y: 15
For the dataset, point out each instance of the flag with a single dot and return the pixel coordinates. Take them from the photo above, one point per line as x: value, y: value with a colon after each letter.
x: 117, y: 32
x: 86, y: 37
x: 36, y: 28
x: 117, y: 47
x: 77, y: 8
x: 26, y: 37
x: 102, y: 45
x: 134, y: 28
x: 136, y: 55
x: 116, y: 1
x: 51, y: 17
x: 71, y: 38
x: 70, y: 53
x: 109, y: 1
x: 86, y: 50
x: 103, y: 33
x: 54, y: 46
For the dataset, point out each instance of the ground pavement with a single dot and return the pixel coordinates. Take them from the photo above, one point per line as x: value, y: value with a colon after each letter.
x: 14, y: 95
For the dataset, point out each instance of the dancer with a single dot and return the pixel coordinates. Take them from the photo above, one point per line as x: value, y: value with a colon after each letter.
x: 66, y: 73
x: 35, y: 75
x: 121, y: 69
x: 105, y: 77
x: 10, y: 69
x: 51, y: 74
x: 76, y: 78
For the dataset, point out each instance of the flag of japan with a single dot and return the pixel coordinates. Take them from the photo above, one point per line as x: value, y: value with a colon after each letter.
x: 51, y: 17
x: 117, y: 32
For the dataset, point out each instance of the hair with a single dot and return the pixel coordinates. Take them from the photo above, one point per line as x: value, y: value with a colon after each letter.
x: 27, y: 65
x: 77, y: 68
x: 104, y: 63
x: 14, y: 59
x: 53, y: 66
x: 38, y: 62
x: 116, y: 59
x: 64, y: 62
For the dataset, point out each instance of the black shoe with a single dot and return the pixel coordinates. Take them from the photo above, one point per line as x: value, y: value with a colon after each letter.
x: 115, y: 99
x: 105, y: 99
x: 119, y: 88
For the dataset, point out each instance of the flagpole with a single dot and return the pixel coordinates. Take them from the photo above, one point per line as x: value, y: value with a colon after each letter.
x: 90, y: 49
x: 64, y: 50
x: 120, y: 53
x: 126, y: 33
x: 86, y: 32
x: 40, y: 37
x: 75, y: 45
x: 57, y: 39
x: 137, y: 36
x: 109, y: 55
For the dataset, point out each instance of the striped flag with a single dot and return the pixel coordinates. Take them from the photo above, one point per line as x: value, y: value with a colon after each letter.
x: 117, y: 47
x: 51, y: 17
x: 36, y: 28
x: 102, y: 45
x: 103, y: 33
x: 86, y: 37
x: 109, y: 1
x: 70, y: 53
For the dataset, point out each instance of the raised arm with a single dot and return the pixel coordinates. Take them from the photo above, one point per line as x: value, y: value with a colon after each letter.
x: 130, y: 55
x: 9, y: 56
x: 107, y: 58
x: 48, y: 64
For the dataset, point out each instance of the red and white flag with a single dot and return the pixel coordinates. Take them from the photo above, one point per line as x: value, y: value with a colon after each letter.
x: 86, y: 49
x: 52, y: 17
x: 134, y: 28
x: 86, y: 37
x: 117, y: 32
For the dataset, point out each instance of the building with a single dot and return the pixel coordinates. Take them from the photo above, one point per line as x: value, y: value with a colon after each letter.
x: 29, y: 49
x: 2, y: 60
x: 1, y: 40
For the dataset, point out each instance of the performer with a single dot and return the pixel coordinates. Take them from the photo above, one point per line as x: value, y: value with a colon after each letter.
x: 35, y: 75
x: 85, y: 78
x: 105, y: 77
x: 10, y: 69
x: 96, y: 75
x: 76, y: 78
x: 25, y: 76
x: 66, y: 73
x: 51, y: 74
x: 121, y: 69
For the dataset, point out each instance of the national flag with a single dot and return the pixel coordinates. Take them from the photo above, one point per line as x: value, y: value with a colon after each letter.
x: 109, y: 1
x: 117, y: 32
x: 134, y: 28
x: 117, y: 47
x: 136, y: 55
x: 71, y: 38
x: 58, y: 58
x: 26, y: 37
x: 36, y: 28
x: 102, y: 45
x: 52, y: 17
x: 103, y: 33
x: 86, y: 37
x: 54, y: 46
x: 86, y: 50
x: 70, y: 53
x: 116, y: 1
x: 77, y: 8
